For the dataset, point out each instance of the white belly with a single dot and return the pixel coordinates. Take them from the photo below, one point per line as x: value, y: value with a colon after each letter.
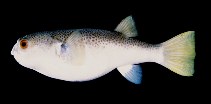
x: 97, y: 62
x: 94, y: 66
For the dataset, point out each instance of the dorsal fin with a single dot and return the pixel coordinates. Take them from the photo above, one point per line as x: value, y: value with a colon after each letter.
x: 127, y: 27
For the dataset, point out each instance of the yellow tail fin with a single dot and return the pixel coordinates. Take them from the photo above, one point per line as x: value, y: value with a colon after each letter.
x: 179, y: 53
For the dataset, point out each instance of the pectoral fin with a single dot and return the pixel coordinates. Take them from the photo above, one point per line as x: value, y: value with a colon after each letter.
x: 61, y: 48
x: 72, y: 50
x: 77, y: 48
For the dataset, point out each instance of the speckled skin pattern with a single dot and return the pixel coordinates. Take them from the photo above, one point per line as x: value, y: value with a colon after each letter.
x: 92, y: 37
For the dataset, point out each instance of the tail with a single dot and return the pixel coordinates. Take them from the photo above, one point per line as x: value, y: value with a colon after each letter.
x: 179, y: 54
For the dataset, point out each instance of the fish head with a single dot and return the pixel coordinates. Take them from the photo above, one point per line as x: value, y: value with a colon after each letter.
x: 32, y: 51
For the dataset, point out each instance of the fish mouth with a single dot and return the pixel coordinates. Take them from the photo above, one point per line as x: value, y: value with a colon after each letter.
x: 12, y: 52
x: 14, y: 49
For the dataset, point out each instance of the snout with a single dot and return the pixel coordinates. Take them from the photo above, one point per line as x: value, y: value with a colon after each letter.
x: 14, y: 49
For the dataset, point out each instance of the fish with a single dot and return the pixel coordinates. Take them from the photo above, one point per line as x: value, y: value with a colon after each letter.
x: 78, y: 55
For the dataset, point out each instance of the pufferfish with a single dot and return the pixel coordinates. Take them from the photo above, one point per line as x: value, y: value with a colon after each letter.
x: 87, y: 54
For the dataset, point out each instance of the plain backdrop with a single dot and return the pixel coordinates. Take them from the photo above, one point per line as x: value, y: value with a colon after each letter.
x: 155, y: 24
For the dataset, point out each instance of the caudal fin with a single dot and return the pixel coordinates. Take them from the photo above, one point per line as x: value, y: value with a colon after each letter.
x: 179, y: 53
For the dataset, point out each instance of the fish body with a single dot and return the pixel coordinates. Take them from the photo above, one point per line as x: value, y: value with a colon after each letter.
x: 86, y: 54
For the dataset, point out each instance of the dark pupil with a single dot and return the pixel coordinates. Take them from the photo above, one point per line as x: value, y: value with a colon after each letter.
x: 23, y: 44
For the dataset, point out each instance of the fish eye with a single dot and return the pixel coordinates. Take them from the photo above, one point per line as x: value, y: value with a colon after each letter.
x: 23, y: 43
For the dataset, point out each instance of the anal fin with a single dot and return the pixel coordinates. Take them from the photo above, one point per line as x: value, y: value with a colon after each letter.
x: 132, y: 73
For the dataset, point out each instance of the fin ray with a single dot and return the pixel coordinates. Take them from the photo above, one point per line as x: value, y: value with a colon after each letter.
x: 132, y: 73
x: 179, y: 53
x: 77, y: 48
x: 127, y: 27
